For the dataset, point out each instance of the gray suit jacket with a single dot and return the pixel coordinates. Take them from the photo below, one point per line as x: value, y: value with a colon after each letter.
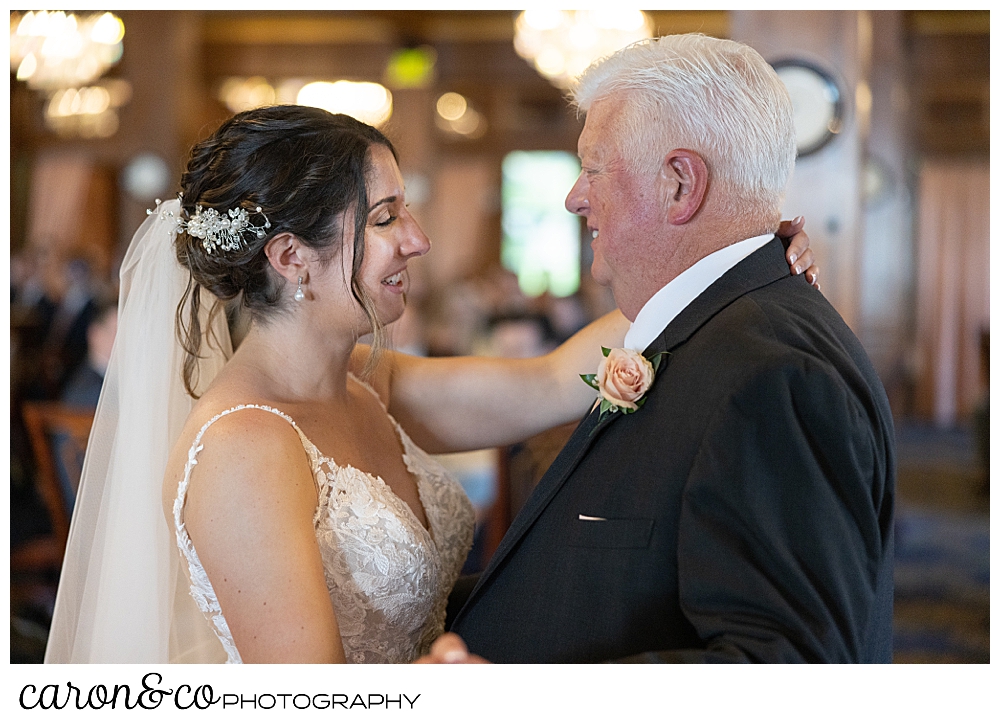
x: 747, y: 507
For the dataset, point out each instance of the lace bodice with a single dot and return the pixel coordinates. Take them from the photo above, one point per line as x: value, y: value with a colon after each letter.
x: 388, y: 576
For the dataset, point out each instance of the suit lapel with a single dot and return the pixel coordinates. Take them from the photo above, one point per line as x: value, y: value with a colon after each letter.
x: 763, y: 267
x: 565, y: 463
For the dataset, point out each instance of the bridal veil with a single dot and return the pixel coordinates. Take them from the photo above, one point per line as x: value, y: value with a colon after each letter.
x: 123, y: 594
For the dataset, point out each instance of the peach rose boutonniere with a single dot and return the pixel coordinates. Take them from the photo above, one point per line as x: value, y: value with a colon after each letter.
x: 623, y: 378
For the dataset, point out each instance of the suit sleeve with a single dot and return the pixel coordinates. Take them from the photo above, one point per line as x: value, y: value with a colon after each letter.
x: 780, y: 542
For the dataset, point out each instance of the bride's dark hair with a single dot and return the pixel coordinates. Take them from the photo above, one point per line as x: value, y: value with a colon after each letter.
x: 303, y: 167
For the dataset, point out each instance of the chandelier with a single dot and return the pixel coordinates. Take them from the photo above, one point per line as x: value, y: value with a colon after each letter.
x: 562, y: 43
x: 53, y: 50
x: 63, y: 55
x: 368, y: 102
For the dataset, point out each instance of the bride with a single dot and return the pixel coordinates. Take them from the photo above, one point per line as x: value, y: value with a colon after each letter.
x: 299, y: 517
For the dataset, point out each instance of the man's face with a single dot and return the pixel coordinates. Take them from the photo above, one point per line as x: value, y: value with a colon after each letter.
x: 623, y: 210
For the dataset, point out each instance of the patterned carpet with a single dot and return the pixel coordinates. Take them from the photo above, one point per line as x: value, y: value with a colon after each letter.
x: 942, y: 612
x: 942, y: 587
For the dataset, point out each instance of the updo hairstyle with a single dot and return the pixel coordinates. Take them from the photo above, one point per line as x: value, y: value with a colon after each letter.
x: 303, y: 167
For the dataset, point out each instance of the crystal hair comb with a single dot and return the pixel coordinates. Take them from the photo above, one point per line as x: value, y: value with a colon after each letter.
x: 220, y: 231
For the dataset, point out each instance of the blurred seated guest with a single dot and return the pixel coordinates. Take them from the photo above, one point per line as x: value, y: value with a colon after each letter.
x: 66, y: 341
x: 31, y: 288
x: 52, y: 306
x: 30, y: 312
x: 567, y: 315
x: 34, y: 293
x: 83, y: 386
x: 23, y: 276
x: 82, y: 390
x: 520, y: 335
x: 455, y: 315
x: 502, y: 292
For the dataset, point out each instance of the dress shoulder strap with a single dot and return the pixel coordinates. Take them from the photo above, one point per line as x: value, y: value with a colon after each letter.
x: 196, y: 447
x: 237, y: 408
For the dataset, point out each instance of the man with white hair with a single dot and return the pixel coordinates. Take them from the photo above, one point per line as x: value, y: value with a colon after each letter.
x: 743, y: 510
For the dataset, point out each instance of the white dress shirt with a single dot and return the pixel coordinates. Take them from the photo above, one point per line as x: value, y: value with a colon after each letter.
x: 683, y: 289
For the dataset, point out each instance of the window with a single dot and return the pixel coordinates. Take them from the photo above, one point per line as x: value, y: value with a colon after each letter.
x: 541, y: 240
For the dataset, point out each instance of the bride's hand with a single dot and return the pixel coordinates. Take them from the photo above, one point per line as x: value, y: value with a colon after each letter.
x: 450, y: 649
x: 798, y: 254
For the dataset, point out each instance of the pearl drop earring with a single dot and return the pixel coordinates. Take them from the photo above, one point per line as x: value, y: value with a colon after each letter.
x: 299, y: 294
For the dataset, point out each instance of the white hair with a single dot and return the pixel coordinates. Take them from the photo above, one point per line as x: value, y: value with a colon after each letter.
x: 716, y: 97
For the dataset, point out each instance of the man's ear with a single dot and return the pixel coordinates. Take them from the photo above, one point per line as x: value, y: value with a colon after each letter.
x: 287, y: 256
x: 686, y: 175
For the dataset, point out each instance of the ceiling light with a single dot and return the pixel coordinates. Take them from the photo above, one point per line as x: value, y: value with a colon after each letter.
x: 563, y: 43
x: 368, y: 102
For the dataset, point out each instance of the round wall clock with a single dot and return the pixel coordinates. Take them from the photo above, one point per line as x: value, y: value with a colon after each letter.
x: 817, y: 103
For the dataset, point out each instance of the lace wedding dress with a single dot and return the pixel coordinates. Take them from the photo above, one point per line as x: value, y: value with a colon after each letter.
x: 388, y: 576
x: 123, y: 591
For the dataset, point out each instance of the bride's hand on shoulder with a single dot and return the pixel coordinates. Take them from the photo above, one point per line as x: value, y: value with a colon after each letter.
x: 249, y: 513
x: 799, y: 256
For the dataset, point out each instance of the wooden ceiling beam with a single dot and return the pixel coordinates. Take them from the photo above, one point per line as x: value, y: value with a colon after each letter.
x: 408, y: 27
x: 949, y: 22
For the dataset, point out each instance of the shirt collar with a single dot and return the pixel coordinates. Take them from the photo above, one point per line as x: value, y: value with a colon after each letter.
x: 683, y: 289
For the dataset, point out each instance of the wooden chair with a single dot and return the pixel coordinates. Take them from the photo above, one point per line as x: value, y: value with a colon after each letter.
x: 45, y: 421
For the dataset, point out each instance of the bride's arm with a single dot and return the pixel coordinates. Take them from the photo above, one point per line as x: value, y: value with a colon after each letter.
x: 449, y: 404
x: 249, y: 511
